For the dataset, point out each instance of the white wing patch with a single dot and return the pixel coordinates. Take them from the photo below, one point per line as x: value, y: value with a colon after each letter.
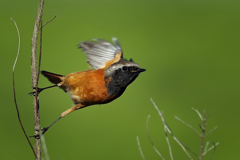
x: 100, y: 51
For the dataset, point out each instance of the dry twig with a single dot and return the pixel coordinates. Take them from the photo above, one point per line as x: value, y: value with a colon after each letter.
x: 140, y: 149
x: 37, y: 127
x: 165, y: 128
x: 14, y: 92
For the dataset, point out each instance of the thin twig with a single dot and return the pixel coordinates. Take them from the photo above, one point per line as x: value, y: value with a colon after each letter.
x: 206, y: 147
x: 209, y: 149
x: 48, y: 22
x: 44, y: 147
x: 40, y: 54
x: 203, y: 127
x: 213, y: 150
x: 140, y: 149
x: 208, y: 116
x: 211, y: 130
x: 165, y: 128
x: 199, y: 114
x: 150, y: 139
x: 37, y: 127
x: 174, y: 137
x: 14, y: 92
x: 182, y: 145
x: 187, y: 125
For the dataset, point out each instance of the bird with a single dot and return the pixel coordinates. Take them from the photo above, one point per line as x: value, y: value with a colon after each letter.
x: 106, y: 81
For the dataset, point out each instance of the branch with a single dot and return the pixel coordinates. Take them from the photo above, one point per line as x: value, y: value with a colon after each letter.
x: 203, y: 127
x: 199, y: 114
x: 165, y: 128
x: 44, y: 147
x: 48, y: 22
x: 211, y: 130
x: 188, y: 125
x: 14, y: 92
x: 140, y: 149
x: 35, y: 79
x: 209, y: 149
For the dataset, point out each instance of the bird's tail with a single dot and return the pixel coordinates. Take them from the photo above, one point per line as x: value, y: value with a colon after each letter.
x: 55, y: 79
x: 52, y: 77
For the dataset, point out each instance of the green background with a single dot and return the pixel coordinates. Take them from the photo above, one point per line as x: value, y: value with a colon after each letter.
x: 190, y: 50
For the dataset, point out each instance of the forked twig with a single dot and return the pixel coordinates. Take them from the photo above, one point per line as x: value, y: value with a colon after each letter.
x: 165, y: 128
x: 182, y: 145
x: 174, y: 137
x: 140, y: 149
x: 14, y: 92
x: 209, y: 149
x: 203, y: 151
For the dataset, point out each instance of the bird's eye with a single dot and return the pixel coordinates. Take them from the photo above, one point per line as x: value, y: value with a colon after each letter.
x: 124, y: 68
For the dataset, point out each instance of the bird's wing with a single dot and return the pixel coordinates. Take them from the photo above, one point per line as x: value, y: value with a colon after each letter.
x: 101, y: 53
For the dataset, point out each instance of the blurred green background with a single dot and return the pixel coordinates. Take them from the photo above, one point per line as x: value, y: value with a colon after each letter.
x: 189, y: 48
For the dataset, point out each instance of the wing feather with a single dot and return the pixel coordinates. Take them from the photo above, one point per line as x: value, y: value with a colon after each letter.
x: 99, y: 52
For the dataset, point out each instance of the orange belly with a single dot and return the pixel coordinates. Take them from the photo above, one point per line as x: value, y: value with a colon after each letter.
x: 88, y: 87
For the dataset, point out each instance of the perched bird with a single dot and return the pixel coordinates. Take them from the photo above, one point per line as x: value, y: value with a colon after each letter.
x: 107, y: 82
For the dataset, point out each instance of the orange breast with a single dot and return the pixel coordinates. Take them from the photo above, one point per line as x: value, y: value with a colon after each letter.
x: 87, y: 87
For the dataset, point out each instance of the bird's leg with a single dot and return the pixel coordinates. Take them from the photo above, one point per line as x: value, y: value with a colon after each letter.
x: 73, y: 108
x: 46, y: 128
x: 41, y: 89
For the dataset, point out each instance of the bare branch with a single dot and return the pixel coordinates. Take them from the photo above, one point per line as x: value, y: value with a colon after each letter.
x: 214, y: 146
x: 160, y: 155
x: 37, y: 127
x: 203, y: 127
x: 211, y: 130
x: 188, y: 125
x: 182, y: 145
x: 140, y: 149
x: 40, y: 55
x: 165, y: 128
x: 14, y: 92
x: 48, y: 22
x: 199, y: 114
x: 44, y: 147
x: 19, y: 42
x: 209, y: 149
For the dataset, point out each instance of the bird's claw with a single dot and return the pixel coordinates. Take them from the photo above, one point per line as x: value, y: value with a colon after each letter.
x: 39, y: 135
x: 34, y: 92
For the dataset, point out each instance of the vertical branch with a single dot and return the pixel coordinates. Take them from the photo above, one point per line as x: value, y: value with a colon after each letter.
x: 203, y: 127
x: 34, y: 78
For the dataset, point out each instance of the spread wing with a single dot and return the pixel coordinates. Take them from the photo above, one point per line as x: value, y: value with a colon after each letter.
x: 99, y: 52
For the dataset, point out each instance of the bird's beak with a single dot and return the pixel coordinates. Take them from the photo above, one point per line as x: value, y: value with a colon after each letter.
x: 141, y: 70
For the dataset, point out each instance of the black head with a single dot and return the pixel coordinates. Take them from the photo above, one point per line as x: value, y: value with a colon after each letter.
x: 120, y: 74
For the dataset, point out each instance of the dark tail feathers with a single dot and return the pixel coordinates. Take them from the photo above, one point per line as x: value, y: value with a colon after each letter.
x: 52, y: 77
